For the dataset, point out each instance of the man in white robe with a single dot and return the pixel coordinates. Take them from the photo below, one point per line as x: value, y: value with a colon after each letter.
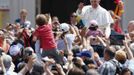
x: 96, y: 12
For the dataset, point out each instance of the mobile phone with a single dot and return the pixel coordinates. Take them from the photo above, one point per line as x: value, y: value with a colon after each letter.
x: 54, y: 67
x: 117, y: 39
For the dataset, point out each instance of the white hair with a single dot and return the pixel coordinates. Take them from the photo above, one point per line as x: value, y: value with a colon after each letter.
x: 131, y: 22
x: 7, y: 60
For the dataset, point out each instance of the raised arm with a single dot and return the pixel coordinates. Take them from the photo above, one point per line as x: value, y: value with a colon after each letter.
x: 2, y: 65
x: 27, y: 67
x: 128, y: 50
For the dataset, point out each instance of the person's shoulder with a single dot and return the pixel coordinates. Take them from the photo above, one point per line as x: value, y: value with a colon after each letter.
x: 11, y: 73
x: 49, y: 26
x: 44, y: 27
x: 105, y: 65
x: 113, y: 62
x: 87, y: 7
x: 39, y: 28
x: 110, y: 62
x: 102, y: 9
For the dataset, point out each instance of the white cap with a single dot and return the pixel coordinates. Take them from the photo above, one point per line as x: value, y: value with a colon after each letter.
x: 65, y: 27
x: 94, y: 22
x: 27, y: 24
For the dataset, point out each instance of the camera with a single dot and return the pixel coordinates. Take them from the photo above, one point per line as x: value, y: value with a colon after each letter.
x: 28, y: 52
x: 54, y: 67
x: 117, y: 39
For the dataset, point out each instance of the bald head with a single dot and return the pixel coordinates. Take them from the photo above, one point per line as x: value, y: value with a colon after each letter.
x: 131, y: 26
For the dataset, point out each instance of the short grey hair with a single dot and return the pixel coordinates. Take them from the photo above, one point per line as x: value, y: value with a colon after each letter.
x: 7, y: 61
x: 29, y: 48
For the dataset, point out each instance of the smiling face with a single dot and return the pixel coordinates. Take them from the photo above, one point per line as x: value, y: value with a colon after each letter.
x: 94, y: 3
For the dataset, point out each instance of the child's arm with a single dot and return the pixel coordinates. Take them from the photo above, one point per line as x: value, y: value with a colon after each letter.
x: 35, y: 34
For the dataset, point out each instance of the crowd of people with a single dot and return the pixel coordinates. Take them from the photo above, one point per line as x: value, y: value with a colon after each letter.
x: 88, y: 44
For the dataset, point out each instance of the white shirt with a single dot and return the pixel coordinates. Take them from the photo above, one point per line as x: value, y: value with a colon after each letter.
x: 129, y: 64
x: 101, y: 15
x: 70, y: 39
x: 38, y: 49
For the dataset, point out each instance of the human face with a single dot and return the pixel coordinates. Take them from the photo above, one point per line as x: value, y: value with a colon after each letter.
x: 131, y: 27
x: 23, y: 15
x: 106, y: 56
x: 55, y: 19
x: 94, y: 3
x: 73, y: 18
x: 81, y: 5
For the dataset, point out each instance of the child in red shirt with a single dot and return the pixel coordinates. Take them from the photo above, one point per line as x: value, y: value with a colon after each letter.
x: 45, y: 35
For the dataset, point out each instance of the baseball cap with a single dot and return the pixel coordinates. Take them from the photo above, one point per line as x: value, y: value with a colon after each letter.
x: 64, y: 27
x: 27, y: 24
x: 84, y: 53
x: 93, y: 22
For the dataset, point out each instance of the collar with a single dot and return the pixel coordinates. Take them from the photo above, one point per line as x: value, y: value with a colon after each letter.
x: 96, y: 8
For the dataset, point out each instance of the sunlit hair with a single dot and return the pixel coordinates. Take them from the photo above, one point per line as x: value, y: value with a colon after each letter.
x: 41, y: 19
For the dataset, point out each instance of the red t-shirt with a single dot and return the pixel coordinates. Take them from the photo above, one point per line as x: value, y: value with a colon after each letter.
x: 45, y: 35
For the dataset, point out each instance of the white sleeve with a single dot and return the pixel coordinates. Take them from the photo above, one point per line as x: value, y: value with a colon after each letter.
x: 107, y: 19
x: 107, y: 22
x: 37, y: 49
x: 70, y: 39
x: 85, y: 15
